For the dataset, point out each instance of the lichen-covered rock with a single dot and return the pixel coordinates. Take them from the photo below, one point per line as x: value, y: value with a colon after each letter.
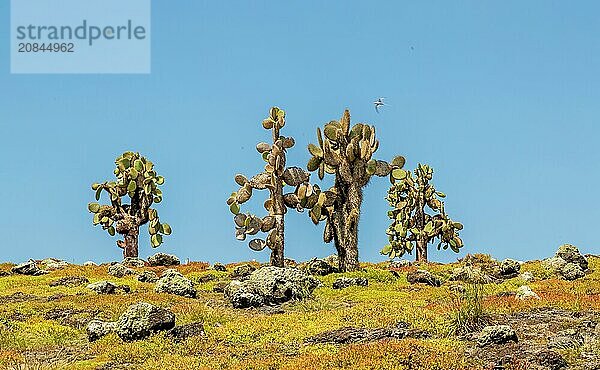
x: 555, y: 264
x: 399, y: 264
x: 173, y: 282
x: 423, y: 277
x: 525, y: 292
x: 345, y: 282
x: 220, y: 286
x: 509, y: 268
x: 333, y: 260
x: 133, y: 262
x: 219, y: 267
x: 527, y: 276
x: 469, y: 274
x: 119, y: 270
x: 320, y: 267
x: 148, y: 277
x: 270, y: 285
x: 138, y: 322
x: 54, y: 264
x: 163, y: 259
x: 496, y: 334
x: 96, y: 329
x: 571, y: 254
x: 566, y: 339
x: 142, y: 319
x: 103, y: 287
x: 242, y: 272
x: 572, y: 271
x: 182, y: 332
x: 70, y: 281
x: 28, y: 268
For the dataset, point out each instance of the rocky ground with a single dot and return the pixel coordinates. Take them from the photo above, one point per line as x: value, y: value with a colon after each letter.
x: 477, y: 313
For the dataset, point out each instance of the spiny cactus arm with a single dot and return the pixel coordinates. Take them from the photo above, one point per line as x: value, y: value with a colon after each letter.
x: 104, y: 215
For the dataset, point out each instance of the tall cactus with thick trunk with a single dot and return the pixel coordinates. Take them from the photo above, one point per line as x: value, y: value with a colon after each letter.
x: 274, y: 177
x: 345, y: 151
x: 137, y: 179
x: 411, y: 224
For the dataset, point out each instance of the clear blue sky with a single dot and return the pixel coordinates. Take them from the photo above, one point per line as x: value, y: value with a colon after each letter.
x: 501, y: 98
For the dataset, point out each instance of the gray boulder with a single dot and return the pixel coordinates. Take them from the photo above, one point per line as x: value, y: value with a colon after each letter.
x: 242, y: 272
x: 173, y: 282
x: 183, y: 332
x: 96, y: 329
x: 496, y: 334
x: 219, y: 267
x: 525, y: 292
x: 133, y: 262
x: 163, y: 259
x: 572, y: 271
x: 220, y: 286
x: 147, y: 277
x: 106, y: 287
x: 28, y: 268
x: 270, y: 285
x: 242, y: 296
x: 509, y: 268
x: 566, y: 339
x: 571, y: 254
x: 399, y: 264
x: 143, y: 319
x: 423, y: 277
x: 320, y: 267
x: 527, y: 276
x: 54, y: 264
x: 555, y: 264
x: 119, y: 270
x: 138, y: 322
x: 469, y: 274
x: 344, y: 282
x: 103, y: 287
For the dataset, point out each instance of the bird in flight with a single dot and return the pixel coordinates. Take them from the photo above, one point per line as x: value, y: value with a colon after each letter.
x: 378, y: 103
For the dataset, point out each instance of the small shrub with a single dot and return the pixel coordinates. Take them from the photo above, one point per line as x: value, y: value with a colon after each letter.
x: 467, y: 312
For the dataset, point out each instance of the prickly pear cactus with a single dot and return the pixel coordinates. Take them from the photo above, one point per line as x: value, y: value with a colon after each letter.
x: 411, y: 225
x: 344, y: 151
x: 273, y: 179
x: 137, y: 179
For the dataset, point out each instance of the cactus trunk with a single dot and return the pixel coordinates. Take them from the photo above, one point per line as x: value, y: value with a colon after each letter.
x: 420, y: 220
x: 131, y: 244
x: 345, y: 225
x: 278, y: 212
x: 421, y: 250
x: 277, y: 252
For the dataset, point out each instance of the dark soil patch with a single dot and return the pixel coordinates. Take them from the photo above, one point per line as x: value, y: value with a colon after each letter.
x: 18, y: 297
x: 364, y: 335
x: 71, y: 317
x: 70, y: 281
